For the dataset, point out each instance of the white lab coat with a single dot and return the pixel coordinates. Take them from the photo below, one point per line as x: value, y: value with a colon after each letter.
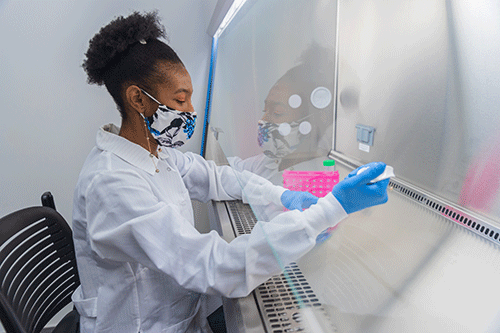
x: 142, y: 264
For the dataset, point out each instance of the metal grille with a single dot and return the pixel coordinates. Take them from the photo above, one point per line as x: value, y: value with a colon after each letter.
x: 242, y: 217
x: 474, y: 223
x: 280, y: 303
x: 280, y: 298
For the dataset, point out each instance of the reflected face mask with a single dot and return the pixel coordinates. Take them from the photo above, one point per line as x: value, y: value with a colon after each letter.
x: 169, y: 127
x: 280, y: 140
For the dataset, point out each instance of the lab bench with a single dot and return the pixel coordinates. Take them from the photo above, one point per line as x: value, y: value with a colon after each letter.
x: 273, y: 306
x: 380, y: 269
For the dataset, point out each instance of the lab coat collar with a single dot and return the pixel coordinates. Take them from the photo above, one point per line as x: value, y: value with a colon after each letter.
x: 109, y: 140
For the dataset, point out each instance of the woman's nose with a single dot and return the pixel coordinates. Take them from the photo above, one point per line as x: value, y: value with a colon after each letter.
x: 189, y: 107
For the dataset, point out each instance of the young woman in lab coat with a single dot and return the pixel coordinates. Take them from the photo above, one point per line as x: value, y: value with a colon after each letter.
x: 143, y: 266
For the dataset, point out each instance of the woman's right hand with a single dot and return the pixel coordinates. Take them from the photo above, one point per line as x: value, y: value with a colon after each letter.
x: 356, y: 192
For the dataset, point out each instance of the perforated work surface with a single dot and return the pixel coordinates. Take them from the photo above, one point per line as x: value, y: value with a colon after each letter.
x: 242, y: 217
x: 278, y: 302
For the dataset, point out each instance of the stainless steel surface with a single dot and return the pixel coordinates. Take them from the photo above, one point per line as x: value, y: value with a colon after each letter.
x: 425, y: 75
x: 241, y: 314
x: 219, y: 220
x: 275, y: 306
x: 393, y: 72
x: 281, y: 298
x: 479, y: 224
x: 468, y: 219
x: 214, y: 151
x: 402, y: 267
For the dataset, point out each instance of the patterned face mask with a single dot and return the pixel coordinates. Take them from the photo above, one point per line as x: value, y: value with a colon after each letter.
x: 279, y: 140
x: 169, y: 127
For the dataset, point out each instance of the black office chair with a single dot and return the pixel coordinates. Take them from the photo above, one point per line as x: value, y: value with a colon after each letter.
x: 38, y: 272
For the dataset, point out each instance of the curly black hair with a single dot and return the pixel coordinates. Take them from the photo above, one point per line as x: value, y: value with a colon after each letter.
x: 128, y: 50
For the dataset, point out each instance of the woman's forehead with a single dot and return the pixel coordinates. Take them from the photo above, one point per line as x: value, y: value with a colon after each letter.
x: 175, y: 78
x: 279, y: 92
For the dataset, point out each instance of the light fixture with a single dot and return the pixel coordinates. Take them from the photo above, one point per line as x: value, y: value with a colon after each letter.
x: 224, y: 12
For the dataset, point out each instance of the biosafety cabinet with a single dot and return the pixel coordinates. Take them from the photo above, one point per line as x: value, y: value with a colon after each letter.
x: 414, y: 84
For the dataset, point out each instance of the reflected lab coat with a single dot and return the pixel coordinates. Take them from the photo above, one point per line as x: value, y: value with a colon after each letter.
x: 142, y: 264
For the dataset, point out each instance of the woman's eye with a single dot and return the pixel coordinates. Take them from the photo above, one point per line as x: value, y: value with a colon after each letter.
x: 180, y: 102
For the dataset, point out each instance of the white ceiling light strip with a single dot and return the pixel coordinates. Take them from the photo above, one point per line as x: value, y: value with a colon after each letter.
x: 231, y: 13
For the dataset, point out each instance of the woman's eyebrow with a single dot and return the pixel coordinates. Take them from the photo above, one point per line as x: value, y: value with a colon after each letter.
x: 274, y: 104
x: 184, y: 90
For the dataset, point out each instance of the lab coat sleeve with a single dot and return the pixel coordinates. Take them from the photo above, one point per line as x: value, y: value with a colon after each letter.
x: 127, y: 223
x: 207, y: 181
x: 256, y: 164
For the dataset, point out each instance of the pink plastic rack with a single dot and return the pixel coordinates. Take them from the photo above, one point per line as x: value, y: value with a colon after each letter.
x: 318, y: 183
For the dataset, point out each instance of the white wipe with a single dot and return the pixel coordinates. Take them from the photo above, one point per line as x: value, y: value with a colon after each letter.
x: 388, y: 173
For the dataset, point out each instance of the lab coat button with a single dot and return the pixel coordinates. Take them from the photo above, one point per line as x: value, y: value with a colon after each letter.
x: 168, y: 169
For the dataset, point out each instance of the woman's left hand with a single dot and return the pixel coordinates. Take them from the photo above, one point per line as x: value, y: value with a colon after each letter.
x: 298, y: 200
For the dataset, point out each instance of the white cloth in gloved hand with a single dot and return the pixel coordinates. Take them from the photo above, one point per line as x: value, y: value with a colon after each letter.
x: 356, y: 192
x: 298, y: 200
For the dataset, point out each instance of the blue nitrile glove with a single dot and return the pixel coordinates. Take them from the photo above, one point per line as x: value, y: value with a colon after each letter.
x: 354, y: 193
x: 298, y: 200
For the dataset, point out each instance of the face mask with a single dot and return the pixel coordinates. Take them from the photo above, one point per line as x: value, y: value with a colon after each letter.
x: 280, y: 140
x: 169, y: 127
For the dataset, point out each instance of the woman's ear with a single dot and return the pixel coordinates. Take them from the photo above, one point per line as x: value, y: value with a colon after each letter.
x: 136, y: 99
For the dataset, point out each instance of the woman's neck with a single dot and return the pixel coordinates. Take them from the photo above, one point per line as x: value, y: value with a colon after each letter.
x: 135, y: 130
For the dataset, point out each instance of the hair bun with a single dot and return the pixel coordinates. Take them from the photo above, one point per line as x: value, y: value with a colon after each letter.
x: 117, y: 37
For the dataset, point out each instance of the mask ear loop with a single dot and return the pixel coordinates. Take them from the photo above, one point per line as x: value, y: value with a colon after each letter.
x: 147, y: 94
x: 160, y: 104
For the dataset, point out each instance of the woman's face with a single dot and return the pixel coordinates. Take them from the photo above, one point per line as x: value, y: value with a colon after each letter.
x: 177, y: 89
x: 276, y: 106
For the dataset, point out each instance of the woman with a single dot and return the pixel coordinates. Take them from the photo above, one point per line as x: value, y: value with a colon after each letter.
x: 143, y: 266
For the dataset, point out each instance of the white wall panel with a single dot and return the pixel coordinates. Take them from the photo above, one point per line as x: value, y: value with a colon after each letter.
x: 50, y: 115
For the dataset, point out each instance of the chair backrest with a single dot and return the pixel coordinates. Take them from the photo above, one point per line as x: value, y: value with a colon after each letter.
x: 38, y: 272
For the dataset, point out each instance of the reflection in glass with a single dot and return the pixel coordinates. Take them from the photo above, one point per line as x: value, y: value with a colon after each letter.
x: 295, y: 128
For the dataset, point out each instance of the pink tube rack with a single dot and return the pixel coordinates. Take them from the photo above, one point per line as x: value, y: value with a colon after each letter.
x: 318, y: 183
